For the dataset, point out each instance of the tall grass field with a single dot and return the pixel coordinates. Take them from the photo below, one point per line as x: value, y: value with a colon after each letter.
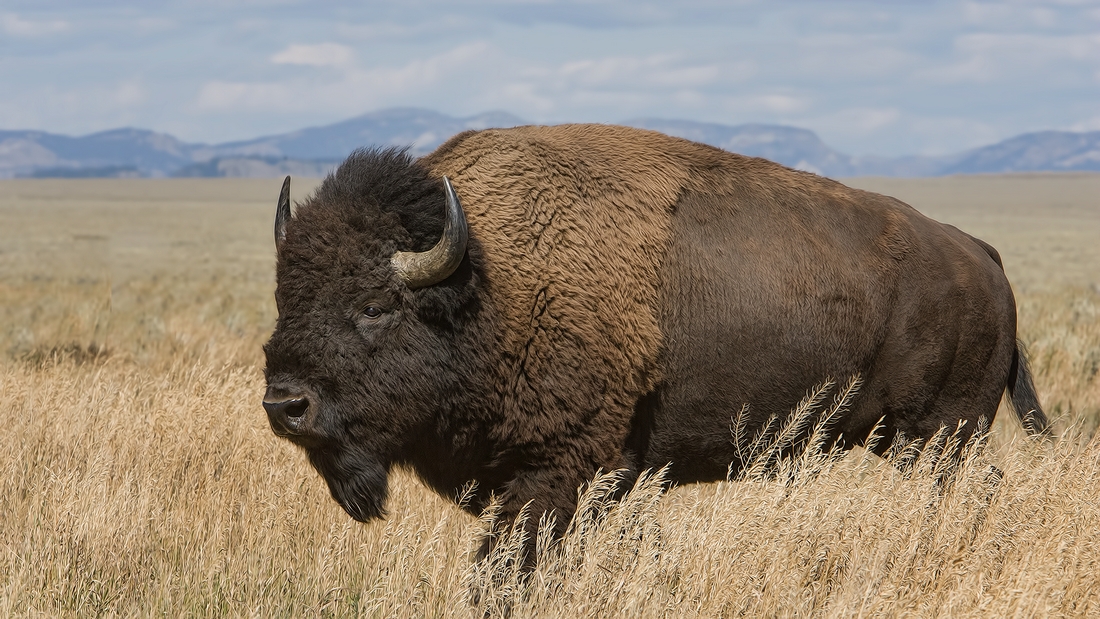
x: 138, y: 476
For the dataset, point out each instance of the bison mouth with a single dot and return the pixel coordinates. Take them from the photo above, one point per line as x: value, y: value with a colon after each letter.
x: 356, y: 480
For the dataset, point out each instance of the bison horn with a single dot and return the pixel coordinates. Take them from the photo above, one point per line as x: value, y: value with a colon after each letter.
x: 282, y: 214
x: 420, y: 269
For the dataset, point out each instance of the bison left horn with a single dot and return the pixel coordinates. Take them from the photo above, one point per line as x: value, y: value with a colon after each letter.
x: 425, y: 268
x: 282, y: 214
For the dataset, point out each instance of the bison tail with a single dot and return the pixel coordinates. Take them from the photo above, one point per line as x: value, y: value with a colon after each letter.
x: 1021, y: 395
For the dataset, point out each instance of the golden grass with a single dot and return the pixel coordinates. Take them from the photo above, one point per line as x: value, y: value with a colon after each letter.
x: 139, y: 476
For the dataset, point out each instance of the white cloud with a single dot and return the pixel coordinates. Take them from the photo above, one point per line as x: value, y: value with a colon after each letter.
x: 860, y: 120
x: 622, y: 84
x: 422, y: 74
x: 780, y: 104
x: 987, y: 57
x: 319, y: 55
x: 1089, y: 124
x: 522, y: 95
x: 843, y: 56
x: 353, y: 91
x: 658, y: 70
x: 130, y: 94
x: 1029, y: 45
x: 219, y: 95
x: 762, y: 107
x: 16, y: 26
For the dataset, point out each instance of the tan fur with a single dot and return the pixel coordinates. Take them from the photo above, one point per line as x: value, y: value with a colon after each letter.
x: 573, y: 249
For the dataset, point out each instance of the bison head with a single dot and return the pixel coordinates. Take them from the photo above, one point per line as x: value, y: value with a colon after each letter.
x: 372, y: 285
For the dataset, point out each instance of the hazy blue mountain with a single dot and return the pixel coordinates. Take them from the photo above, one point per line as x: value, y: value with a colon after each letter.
x: 147, y: 152
x: 311, y: 150
x: 793, y: 147
x: 909, y: 166
x: 1046, y: 150
x: 314, y: 151
x: 797, y: 148
x: 421, y: 130
x: 256, y: 167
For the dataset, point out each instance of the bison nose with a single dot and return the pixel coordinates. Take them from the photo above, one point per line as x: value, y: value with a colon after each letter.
x: 287, y: 415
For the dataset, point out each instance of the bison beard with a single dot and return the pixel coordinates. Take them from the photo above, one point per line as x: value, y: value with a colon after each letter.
x: 355, y: 479
x: 617, y: 297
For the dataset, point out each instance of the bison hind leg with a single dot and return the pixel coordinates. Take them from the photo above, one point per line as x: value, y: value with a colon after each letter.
x: 800, y: 446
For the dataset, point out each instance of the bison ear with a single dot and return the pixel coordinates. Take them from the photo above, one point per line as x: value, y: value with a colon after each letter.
x: 420, y: 269
x: 282, y: 214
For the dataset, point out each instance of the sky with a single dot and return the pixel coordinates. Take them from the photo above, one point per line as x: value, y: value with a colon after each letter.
x: 888, y: 77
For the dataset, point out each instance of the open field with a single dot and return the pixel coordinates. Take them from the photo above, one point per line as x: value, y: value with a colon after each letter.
x: 138, y: 476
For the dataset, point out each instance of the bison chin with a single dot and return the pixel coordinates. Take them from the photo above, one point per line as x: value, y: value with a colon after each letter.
x: 356, y: 480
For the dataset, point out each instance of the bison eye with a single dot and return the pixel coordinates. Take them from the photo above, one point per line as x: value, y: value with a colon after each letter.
x: 372, y: 312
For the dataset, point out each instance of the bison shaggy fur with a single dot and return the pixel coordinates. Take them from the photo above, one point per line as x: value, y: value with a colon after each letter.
x: 622, y: 294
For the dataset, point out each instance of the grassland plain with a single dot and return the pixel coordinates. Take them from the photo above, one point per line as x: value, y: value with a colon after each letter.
x: 138, y: 476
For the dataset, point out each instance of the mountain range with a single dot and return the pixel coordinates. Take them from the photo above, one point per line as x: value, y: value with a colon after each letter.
x: 314, y: 151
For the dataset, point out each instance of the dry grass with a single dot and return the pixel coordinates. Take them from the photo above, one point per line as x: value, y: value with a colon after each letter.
x: 139, y: 476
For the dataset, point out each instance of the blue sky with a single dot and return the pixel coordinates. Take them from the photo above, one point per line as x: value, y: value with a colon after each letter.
x: 887, y: 78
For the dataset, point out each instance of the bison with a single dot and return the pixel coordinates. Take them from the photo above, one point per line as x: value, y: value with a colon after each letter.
x: 525, y: 307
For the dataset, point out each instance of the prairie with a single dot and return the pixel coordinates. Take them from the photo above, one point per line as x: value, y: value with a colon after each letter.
x: 138, y: 476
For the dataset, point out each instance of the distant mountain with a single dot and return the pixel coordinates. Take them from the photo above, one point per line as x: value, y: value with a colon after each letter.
x: 22, y: 153
x: 1046, y: 150
x: 798, y: 148
x: 312, y: 151
x: 256, y: 167
x: 422, y: 130
x: 315, y: 151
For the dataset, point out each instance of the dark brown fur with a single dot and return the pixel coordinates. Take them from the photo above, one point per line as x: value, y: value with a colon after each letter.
x: 623, y: 295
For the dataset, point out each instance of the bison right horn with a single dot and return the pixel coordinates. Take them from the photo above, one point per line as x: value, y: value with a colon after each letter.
x: 425, y: 268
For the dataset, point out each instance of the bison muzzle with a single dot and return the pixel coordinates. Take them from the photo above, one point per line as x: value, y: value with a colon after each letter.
x: 524, y: 307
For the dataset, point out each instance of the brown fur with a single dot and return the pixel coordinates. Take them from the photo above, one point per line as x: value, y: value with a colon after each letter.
x: 573, y: 241
x: 624, y: 294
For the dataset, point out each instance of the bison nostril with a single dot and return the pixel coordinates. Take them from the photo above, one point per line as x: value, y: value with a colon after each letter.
x: 290, y: 410
x: 296, y: 408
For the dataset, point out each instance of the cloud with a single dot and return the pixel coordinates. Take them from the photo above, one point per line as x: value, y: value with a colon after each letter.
x: 353, y: 91
x: 985, y: 57
x: 422, y: 28
x: 779, y: 103
x: 130, y: 94
x: 522, y: 95
x: 319, y: 55
x: 220, y: 95
x: 612, y: 14
x: 628, y: 84
x: 760, y: 105
x: 1089, y: 124
x: 422, y: 74
x: 660, y: 70
x: 860, y: 120
x: 16, y: 26
x: 845, y: 56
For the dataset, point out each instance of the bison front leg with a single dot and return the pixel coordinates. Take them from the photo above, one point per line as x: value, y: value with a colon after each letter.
x: 530, y: 498
x: 507, y: 554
